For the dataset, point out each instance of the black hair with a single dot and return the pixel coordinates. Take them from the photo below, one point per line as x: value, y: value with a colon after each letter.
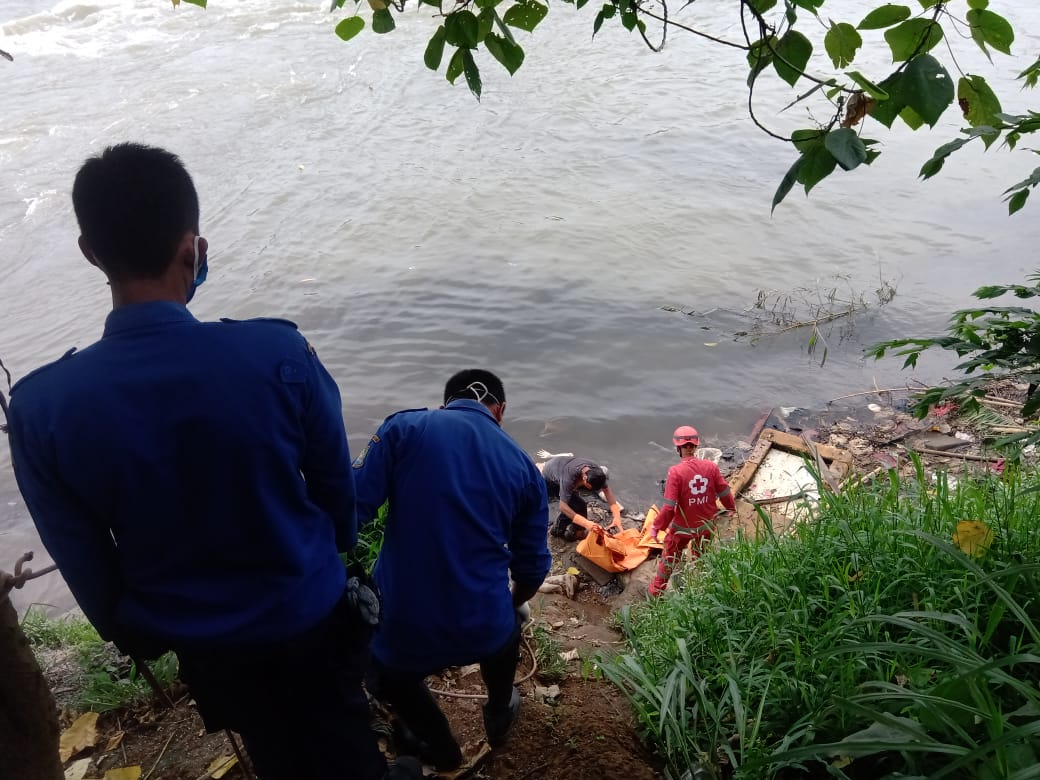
x: 596, y: 477
x: 475, y: 384
x: 134, y: 204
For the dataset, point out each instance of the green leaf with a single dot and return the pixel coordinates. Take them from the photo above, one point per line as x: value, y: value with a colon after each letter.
x: 935, y: 164
x: 978, y: 5
x: 841, y: 42
x: 1032, y: 181
x: 435, y: 49
x: 911, y: 118
x: 1031, y: 74
x: 817, y: 165
x: 455, y: 66
x: 606, y: 12
x: 885, y: 16
x: 462, y: 29
x: 199, y: 3
x: 629, y: 19
x: 927, y: 88
x: 924, y: 86
x: 789, y: 180
x: 382, y: 21
x: 846, y: 148
x: 482, y: 4
x: 887, y: 110
x: 350, y: 27
x: 804, y: 140
x: 485, y: 23
x: 912, y: 37
x: 1017, y: 201
x: 991, y: 28
x: 980, y: 105
x: 792, y: 55
x: 505, y: 51
x: 469, y: 67
x: 761, y: 6
x: 526, y: 14
x: 760, y: 56
x: 867, y: 85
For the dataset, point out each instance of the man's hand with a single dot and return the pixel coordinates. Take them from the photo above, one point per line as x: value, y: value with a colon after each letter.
x: 584, y: 522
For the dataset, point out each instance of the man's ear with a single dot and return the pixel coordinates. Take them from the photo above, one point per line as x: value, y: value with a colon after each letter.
x: 88, y: 253
x: 186, y: 250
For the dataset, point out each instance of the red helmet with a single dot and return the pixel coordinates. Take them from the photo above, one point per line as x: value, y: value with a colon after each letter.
x: 685, y: 434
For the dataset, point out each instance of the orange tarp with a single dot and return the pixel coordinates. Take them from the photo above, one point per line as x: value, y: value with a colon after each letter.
x: 623, y: 551
x: 648, y: 539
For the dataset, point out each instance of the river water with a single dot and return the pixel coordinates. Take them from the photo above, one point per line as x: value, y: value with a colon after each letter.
x: 543, y: 232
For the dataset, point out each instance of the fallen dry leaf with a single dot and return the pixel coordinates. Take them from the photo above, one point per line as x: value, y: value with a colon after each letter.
x: 124, y: 773
x: 79, y: 736
x: 115, y: 741
x: 973, y: 537
x: 77, y: 770
x: 219, y: 767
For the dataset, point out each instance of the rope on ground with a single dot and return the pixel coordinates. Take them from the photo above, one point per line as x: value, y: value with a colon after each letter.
x: 525, y: 678
x: 9, y: 582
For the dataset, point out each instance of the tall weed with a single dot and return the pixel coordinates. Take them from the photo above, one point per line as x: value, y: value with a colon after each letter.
x: 771, y: 654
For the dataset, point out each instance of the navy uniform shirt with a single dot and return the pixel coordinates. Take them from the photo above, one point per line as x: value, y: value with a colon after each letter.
x: 467, y: 505
x: 191, y: 480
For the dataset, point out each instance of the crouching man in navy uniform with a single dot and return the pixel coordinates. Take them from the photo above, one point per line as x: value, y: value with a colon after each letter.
x: 192, y: 481
x: 467, y: 508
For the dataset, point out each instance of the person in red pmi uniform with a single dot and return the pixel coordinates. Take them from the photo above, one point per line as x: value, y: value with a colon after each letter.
x: 689, y: 508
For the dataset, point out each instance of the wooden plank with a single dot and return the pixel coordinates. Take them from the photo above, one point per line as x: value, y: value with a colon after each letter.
x: 794, y: 443
x: 739, y: 480
x: 838, y: 461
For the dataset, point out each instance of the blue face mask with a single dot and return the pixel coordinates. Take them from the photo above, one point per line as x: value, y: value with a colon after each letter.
x: 201, y: 271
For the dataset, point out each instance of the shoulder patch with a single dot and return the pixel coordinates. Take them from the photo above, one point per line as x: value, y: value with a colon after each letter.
x: 274, y: 320
x: 41, y: 369
x: 359, y: 461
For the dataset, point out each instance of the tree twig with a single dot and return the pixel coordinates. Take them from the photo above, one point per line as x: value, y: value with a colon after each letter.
x: 157, y: 760
x: 962, y: 455
x: 876, y: 391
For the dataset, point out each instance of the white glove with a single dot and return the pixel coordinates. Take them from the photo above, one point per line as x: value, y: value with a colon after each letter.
x: 524, y: 611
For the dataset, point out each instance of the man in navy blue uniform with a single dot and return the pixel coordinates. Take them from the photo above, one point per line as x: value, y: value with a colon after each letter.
x: 192, y: 481
x: 467, y: 508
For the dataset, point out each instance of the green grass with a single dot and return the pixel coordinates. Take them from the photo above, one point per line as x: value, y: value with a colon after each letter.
x: 65, y: 631
x: 551, y: 668
x: 370, y: 542
x: 865, y: 639
x: 111, y: 681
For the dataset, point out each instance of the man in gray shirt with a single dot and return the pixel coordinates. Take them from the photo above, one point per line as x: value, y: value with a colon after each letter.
x: 565, y: 476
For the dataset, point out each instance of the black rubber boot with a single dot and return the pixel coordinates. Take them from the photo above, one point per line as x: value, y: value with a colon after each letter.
x: 404, y: 768
x: 498, y: 724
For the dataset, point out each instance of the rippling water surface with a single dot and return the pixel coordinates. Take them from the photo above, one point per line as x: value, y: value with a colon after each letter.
x: 412, y: 231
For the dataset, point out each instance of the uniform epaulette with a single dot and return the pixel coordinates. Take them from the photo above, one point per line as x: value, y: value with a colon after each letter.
x: 275, y: 320
x: 42, y: 368
x: 405, y: 411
